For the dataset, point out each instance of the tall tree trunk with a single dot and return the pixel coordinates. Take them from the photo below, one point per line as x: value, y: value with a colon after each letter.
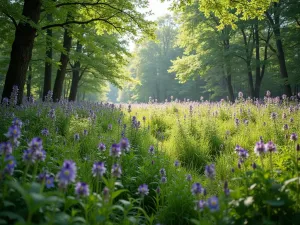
x: 48, y: 64
x: 257, y: 61
x: 248, y: 59
x: 227, y: 69
x: 61, y: 72
x: 28, y: 84
x: 279, y: 46
x: 21, y: 52
x: 76, y: 75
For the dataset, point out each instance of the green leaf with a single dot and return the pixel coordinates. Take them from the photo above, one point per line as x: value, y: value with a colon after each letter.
x: 12, y: 216
x: 117, y: 193
x: 276, y: 203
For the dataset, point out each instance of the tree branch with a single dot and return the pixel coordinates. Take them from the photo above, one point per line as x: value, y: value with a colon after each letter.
x: 12, y: 19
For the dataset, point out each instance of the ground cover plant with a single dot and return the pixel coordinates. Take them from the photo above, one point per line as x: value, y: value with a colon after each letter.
x: 157, y: 163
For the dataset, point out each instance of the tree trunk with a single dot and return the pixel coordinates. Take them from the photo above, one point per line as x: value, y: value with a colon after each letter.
x: 76, y: 75
x: 48, y: 64
x: 29, y: 82
x: 227, y: 68
x: 61, y: 72
x: 21, y: 52
x: 280, y: 53
x: 257, y: 61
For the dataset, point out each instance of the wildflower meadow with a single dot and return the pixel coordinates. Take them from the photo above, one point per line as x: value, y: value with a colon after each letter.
x: 157, y: 163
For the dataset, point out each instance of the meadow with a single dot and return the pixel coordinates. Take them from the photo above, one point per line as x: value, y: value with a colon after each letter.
x: 157, y: 163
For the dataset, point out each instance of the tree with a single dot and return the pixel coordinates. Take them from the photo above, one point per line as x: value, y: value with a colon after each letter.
x: 111, y: 16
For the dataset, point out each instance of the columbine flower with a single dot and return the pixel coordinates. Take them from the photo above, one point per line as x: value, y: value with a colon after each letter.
x: 47, y: 178
x: 162, y: 172
x: 40, y: 155
x: 270, y: 147
x: 116, y: 170
x: 213, y: 204
x: 260, y: 148
x: 238, y: 148
x: 143, y: 190
x: 176, y: 163
x: 210, y: 171
x: 101, y: 147
x: 10, y: 164
x: 45, y: 132
x: 115, y: 150
x: 294, y: 137
x: 82, y: 189
x: 196, y: 189
x: 200, y: 205
x: 28, y: 156
x: 285, y: 127
x: 67, y: 173
x: 124, y: 144
x: 98, y: 169
x: 188, y: 177
x: 163, y: 180
x: 5, y: 148
x: 151, y: 150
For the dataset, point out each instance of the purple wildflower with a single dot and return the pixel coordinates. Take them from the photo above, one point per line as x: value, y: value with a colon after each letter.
x: 67, y: 173
x: 116, y: 170
x: 101, y: 147
x: 162, y: 172
x: 76, y: 137
x: 151, y: 150
x: 163, y: 180
x: 260, y: 148
x: 35, y: 144
x: 294, y: 137
x: 10, y: 164
x: 243, y: 154
x: 82, y: 189
x: 143, y: 190
x: 176, y: 163
x: 196, y: 189
x: 6, y: 148
x: 17, y: 122
x: 124, y: 144
x: 14, y: 132
x: 200, y: 205
x: 45, y: 132
x: 210, y: 171
x: 270, y: 147
x: 213, y: 204
x: 115, y: 150
x: 188, y: 177
x: 98, y: 169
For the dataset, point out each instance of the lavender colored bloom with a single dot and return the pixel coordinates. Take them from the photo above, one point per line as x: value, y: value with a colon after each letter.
x: 116, y: 170
x: 17, y: 122
x: 36, y: 144
x: 85, y: 132
x: 162, y: 172
x: 268, y: 93
x: 291, y: 120
x: 285, y: 127
x: 151, y: 150
x: 40, y: 155
x: 106, y: 194
x: 6, y: 148
x: 67, y: 173
x: 51, y: 114
x: 294, y: 137
x: 238, y: 148
x: 196, y: 189
x: 243, y: 154
x: 273, y: 115
x: 260, y: 148
x: 213, y: 204
x: 200, y: 205
x: 240, y: 94
x: 157, y: 190
x: 210, y: 171
x: 124, y: 144
x: 188, y: 177
x: 98, y: 169
x: 45, y: 132
x: 28, y: 157
x: 270, y: 147
x: 163, y: 180
x: 143, y: 190
x: 109, y: 127
x: 49, y: 181
x: 14, y: 132
x: 115, y: 150
x: 10, y: 162
x: 82, y: 189
x: 76, y: 137
x: 176, y: 163
x: 101, y: 147
x: 283, y: 115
